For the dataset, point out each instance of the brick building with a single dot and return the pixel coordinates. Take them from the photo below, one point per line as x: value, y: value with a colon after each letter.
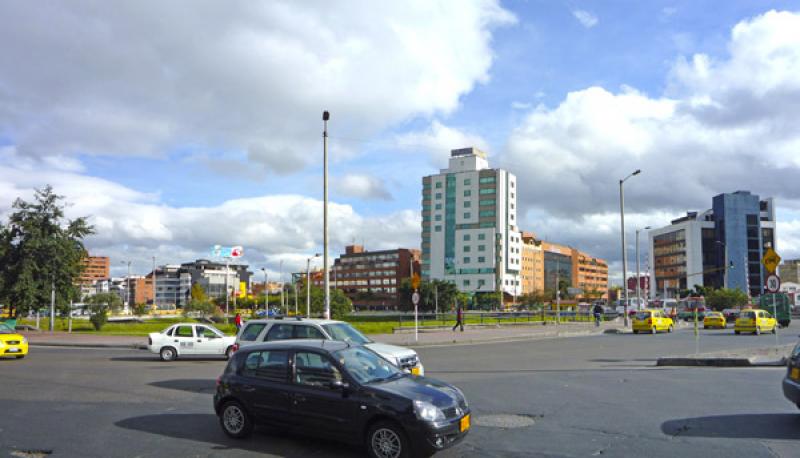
x: 371, y: 279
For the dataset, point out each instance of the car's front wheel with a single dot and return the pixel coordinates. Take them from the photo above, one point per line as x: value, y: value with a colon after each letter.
x: 168, y: 354
x: 670, y: 329
x: 387, y: 440
x: 235, y: 420
x: 229, y: 352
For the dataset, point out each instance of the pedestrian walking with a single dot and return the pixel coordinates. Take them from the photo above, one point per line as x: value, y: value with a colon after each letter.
x: 237, y: 320
x: 459, y: 319
x: 598, y: 314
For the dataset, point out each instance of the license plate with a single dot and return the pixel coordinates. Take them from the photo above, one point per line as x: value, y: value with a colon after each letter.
x: 463, y: 424
x: 795, y: 375
x: 414, y: 371
x: 13, y: 350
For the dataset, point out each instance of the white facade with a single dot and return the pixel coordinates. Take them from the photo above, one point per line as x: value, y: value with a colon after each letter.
x: 472, y: 212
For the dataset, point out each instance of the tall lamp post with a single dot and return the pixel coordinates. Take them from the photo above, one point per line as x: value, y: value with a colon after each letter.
x: 128, y: 285
x: 624, y: 255
x: 638, y: 274
x: 308, y: 284
x: 266, y: 290
x: 325, y: 117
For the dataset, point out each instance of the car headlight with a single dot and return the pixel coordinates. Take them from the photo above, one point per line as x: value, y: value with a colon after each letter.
x: 427, y: 411
x: 461, y: 393
x: 24, y: 340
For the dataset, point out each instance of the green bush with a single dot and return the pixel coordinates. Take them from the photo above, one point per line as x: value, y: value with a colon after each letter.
x: 99, y: 319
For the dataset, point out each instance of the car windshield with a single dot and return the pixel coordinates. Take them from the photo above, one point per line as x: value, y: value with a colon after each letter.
x: 346, y: 333
x: 6, y: 329
x: 365, y: 366
x: 642, y: 315
x: 749, y: 314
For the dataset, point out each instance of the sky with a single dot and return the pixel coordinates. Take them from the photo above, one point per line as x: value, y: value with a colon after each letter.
x: 176, y: 126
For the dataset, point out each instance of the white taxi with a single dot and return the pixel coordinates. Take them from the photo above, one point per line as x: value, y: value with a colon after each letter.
x: 195, y: 339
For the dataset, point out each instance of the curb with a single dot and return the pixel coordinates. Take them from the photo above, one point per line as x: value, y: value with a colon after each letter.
x: 719, y: 362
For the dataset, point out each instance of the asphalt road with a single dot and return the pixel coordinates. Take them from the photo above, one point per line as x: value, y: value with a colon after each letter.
x: 584, y: 396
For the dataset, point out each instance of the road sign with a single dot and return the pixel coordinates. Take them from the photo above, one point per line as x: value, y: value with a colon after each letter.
x: 771, y: 260
x: 415, y: 298
x: 415, y: 281
x: 773, y: 283
x: 237, y: 252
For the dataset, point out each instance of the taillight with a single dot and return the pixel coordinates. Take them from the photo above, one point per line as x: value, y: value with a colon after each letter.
x: 235, y: 347
x: 219, y: 381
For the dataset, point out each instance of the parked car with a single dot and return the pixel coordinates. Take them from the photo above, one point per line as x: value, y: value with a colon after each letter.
x: 730, y: 315
x: 11, y: 343
x: 652, y: 321
x: 714, y: 320
x: 340, y: 391
x: 257, y: 331
x: 791, y: 382
x: 193, y: 339
x: 755, y: 321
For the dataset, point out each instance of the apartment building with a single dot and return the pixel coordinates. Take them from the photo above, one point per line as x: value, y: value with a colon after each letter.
x: 469, y: 226
x: 532, y: 264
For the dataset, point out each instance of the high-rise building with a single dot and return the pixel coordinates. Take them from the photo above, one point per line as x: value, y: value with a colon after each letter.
x: 532, y: 264
x: 720, y: 247
x: 469, y: 226
x: 789, y: 271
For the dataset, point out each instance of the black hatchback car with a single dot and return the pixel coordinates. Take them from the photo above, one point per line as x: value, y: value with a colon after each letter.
x: 337, y: 391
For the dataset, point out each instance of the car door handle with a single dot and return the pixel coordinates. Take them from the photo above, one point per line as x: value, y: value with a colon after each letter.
x: 176, y: 340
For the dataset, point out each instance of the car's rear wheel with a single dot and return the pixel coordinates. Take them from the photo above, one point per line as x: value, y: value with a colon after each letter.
x: 736, y: 332
x: 235, y: 421
x: 229, y: 352
x: 168, y: 354
x: 654, y: 330
x: 387, y: 440
x: 635, y: 331
x: 670, y: 329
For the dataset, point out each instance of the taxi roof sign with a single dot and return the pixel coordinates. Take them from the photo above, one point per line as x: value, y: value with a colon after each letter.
x: 771, y: 260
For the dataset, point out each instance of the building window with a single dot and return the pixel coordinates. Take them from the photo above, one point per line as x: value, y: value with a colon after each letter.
x: 467, y: 249
x: 487, y: 180
x: 481, y: 259
x: 481, y: 283
x: 466, y: 237
x: 512, y: 195
x: 490, y: 191
x: 438, y: 195
x: 467, y: 193
x: 467, y: 260
x: 438, y: 185
x: 512, y: 206
x: 467, y: 204
x: 438, y: 206
x: 437, y: 217
x: 467, y: 181
x: 467, y: 215
x: 437, y: 228
x: 487, y: 213
x: 487, y: 202
x: 481, y: 236
x: 481, y: 247
x: 466, y: 282
x: 512, y: 184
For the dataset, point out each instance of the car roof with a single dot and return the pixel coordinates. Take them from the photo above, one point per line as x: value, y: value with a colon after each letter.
x: 295, y: 344
x: 294, y: 320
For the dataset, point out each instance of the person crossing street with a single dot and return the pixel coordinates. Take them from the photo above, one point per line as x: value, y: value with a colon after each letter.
x: 459, y: 318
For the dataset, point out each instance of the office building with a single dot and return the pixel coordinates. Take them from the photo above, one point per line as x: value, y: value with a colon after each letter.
x: 371, y: 279
x: 213, y: 277
x: 170, y: 288
x: 532, y: 264
x: 789, y: 271
x: 576, y: 269
x: 720, y: 247
x: 469, y: 226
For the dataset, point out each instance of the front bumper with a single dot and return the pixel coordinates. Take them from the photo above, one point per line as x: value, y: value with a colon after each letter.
x: 20, y: 349
x: 428, y: 437
x: 791, y: 390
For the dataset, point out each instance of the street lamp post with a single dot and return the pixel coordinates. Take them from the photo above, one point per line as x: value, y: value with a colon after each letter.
x: 266, y: 290
x: 308, y: 284
x: 128, y: 285
x: 325, y: 117
x: 624, y: 255
x: 154, y: 283
x: 638, y: 274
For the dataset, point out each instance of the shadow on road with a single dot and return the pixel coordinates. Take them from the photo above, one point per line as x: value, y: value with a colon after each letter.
x: 205, y: 428
x: 752, y: 426
x: 206, y: 386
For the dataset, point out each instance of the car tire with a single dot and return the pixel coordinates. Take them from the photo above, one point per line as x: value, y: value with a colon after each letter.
x: 670, y: 329
x: 705, y: 327
x: 736, y: 332
x: 168, y: 354
x: 635, y: 331
x: 758, y: 331
x: 235, y: 420
x: 387, y: 439
x: 229, y: 352
x: 654, y: 330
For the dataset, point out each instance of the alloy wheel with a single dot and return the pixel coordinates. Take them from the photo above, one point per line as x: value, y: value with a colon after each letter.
x: 386, y: 443
x: 233, y: 419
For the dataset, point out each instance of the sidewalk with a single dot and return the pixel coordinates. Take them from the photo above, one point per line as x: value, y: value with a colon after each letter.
x: 428, y: 338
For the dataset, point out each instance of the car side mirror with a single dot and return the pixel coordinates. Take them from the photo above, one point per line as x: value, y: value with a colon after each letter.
x: 338, y: 385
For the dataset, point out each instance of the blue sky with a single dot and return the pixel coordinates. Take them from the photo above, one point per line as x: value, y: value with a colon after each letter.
x: 177, y: 127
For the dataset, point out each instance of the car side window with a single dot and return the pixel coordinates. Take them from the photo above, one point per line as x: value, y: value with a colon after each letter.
x: 307, y: 332
x: 184, y: 331
x: 279, y: 332
x: 313, y: 369
x: 203, y: 331
x: 268, y: 365
x: 252, y: 331
x: 170, y: 331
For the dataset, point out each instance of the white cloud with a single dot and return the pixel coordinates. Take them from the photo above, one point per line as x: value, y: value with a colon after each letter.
x: 586, y: 18
x: 361, y: 186
x: 517, y: 105
x: 144, y: 78
x: 721, y: 126
x: 437, y: 141
x: 135, y: 226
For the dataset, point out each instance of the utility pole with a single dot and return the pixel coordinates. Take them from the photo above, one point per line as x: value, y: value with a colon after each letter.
x: 154, y: 283
x: 226, y: 289
x: 266, y: 291
x: 436, y: 298
x: 281, y: 282
x: 295, y: 298
x: 325, y: 117
x: 52, y: 303
x: 558, y: 291
x: 624, y: 251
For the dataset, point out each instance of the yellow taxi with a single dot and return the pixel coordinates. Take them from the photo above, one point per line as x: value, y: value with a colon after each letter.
x: 755, y: 321
x: 651, y: 321
x: 11, y: 343
x: 714, y: 320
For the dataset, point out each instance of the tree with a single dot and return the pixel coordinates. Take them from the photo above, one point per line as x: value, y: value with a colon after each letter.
x: 533, y: 300
x: 100, y: 305
x: 140, y: 309
x: 40, y: 251
x: 724, y: 298
x: 341, y: 306
x: 199, y: 307
x: 198, y: 293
